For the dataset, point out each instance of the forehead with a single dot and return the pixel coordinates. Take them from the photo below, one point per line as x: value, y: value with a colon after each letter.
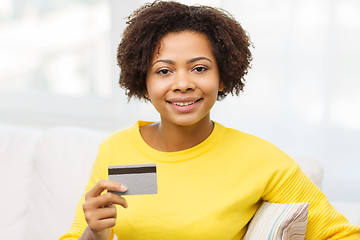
x: 183, y: 44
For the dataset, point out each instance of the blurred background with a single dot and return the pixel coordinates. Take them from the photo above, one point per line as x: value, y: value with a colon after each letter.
x: 58, y: 67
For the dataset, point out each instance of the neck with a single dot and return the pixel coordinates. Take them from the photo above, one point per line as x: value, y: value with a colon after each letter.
x: 171, y: 138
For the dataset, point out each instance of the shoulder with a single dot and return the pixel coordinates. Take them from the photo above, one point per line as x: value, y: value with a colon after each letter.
x: 256, y: 150
x: 242, y: 139
x: 120, y: 137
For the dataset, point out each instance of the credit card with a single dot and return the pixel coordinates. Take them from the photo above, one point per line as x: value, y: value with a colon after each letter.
x: 139, y: 179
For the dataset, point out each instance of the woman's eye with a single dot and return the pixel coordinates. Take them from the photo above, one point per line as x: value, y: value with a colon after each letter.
x: 163, y: 71
x: 200, y: 69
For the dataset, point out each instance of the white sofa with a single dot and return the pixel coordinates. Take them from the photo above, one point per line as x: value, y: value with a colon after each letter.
x: 43, y: 174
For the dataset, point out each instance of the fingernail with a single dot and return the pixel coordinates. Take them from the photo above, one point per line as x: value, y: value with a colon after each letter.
x: 123, y: 188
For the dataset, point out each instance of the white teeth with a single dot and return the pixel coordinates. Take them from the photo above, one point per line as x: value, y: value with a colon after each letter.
x: 183, y: 103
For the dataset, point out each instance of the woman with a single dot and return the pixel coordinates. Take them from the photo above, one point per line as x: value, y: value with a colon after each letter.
x: 211, y: 179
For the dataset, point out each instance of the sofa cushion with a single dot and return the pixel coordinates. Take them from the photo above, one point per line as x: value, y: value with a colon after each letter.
x: 275, y: 221
x: 62, y: 165
x: 17, y: 148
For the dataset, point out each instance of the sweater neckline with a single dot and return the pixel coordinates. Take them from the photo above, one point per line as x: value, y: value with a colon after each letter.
x: 177, y: 156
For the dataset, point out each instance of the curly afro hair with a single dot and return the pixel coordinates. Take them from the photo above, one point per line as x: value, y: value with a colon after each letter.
x: 151, y: 22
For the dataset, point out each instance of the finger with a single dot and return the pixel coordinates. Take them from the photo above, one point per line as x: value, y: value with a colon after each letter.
x: 100, y: 213
x: 103, y: 213
x: 109, y: 199
x: 102, y: 224
x: 106, y: 200
x: 102, y: 185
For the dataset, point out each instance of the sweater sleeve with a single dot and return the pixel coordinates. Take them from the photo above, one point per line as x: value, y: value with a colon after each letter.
x: 99, y: 171
x: 324, y: 222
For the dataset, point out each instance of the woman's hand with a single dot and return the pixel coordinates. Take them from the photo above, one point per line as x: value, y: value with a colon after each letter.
x: 100, y: 211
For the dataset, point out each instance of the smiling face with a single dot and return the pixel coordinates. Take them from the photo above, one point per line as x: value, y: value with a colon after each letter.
x: 183, y: 79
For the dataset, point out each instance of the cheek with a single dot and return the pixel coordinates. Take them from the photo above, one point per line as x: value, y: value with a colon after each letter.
x: 156, y: 88
x: 211, y: 88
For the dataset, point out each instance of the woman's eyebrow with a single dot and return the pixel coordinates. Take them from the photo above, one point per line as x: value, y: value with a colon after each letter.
x: 165, y: 61
x: 197, y: 59
x: 189, y: 61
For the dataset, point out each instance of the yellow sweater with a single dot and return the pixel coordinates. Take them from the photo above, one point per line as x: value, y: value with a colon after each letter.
x: 210, y: 191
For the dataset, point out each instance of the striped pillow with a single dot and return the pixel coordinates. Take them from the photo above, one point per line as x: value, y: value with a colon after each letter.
x: 278, y: 221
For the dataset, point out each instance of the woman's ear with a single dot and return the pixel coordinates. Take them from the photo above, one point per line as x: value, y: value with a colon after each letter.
x: 146, y: 95
x: 221, y: 86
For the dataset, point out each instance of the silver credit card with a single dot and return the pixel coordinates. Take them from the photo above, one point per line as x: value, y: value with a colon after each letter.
x: 139, y: 179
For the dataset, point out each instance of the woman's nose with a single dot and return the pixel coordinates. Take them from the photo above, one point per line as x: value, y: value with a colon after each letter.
x: 183, y: 82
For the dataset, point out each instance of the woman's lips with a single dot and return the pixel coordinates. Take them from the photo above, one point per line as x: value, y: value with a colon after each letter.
x: 184, y: 105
